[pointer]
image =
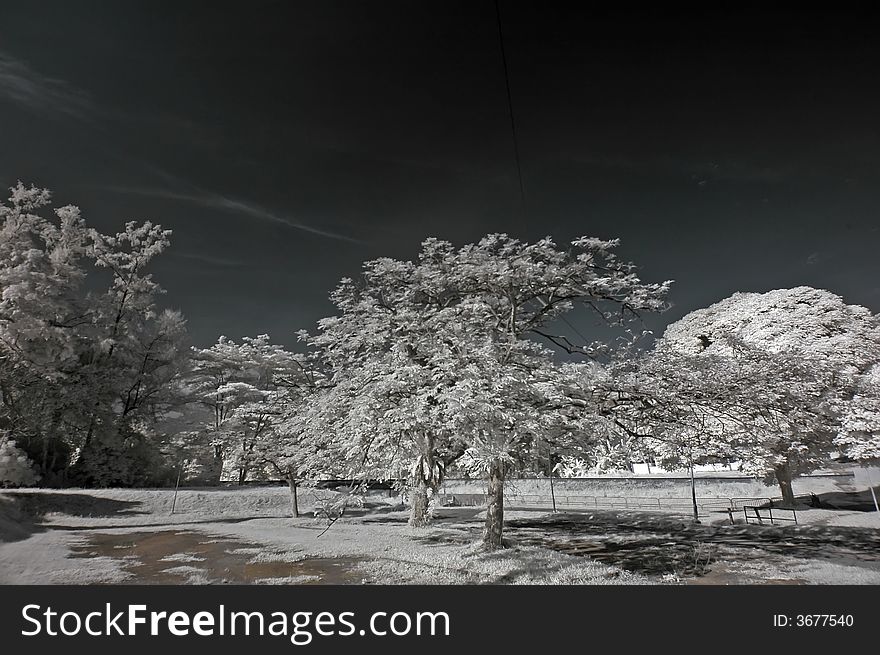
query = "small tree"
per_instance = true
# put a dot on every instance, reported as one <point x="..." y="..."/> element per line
<point x="244" y="385"/>
<point x="293" y="446"/>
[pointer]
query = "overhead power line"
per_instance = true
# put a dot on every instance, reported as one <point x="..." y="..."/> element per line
<point x="522" y="191"/>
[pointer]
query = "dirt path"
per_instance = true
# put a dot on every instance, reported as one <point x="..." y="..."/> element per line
<point x="190" y="557"/>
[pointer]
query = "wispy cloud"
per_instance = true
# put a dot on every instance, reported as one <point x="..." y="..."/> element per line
<point x="28" y="88"/>
<point x="212" y="200"/>
<point x="34" y="91"/>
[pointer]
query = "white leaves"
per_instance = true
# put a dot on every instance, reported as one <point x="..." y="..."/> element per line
<point x="810" y="322"/>
<point x="28" y="199"/>
<point x="81" y="362"/>
<point x="260" y="396"/>
<point x="859" y="432"/>
<point x="441" y="346"/>
<point x="764" y="378"/>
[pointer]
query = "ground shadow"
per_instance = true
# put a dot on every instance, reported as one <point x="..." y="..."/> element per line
<point x="22" y="514"/>
<point x="658" y="545"/>
<point x="853" y="501"/>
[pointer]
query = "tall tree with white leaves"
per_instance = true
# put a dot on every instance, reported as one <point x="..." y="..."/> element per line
<point x="135" y="357"/>
<point x="43" y="263"/>
<point x="806" y="350"/>
<point x="83" y="371"/>
<point x="467" y="320"/>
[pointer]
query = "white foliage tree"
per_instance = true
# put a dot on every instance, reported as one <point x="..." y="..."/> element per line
<point x="133" y="360"/>
<point x="42" y="267"/>
<point x="82" y="370"/>
<point x="858" y="436"/>
<point x="799" y="354"/>
<point x="250" y="388"/>
<point x="458" y="326"/>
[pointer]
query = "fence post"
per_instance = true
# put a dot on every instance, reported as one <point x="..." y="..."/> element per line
<point x="176" y="487"/>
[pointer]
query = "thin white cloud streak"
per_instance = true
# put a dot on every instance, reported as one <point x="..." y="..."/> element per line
<point x="212" y="200"/>
<point x="32" y="90"/>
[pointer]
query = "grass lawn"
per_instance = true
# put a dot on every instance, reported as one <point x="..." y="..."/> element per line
<point x="247" y="536"/>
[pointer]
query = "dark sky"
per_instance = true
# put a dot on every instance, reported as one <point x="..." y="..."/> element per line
<point x="287" y="142"/>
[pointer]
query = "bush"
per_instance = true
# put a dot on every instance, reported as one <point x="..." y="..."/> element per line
<point x="16" y="469"/>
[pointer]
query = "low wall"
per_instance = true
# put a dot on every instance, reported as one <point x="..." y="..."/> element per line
<point x="719" y="486"/>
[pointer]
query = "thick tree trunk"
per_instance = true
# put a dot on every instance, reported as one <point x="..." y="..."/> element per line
<point x="783" y="477"/>
<point x="493" y="530"/>
<point x="423" y="482"/>
<point x="215" y="474"/>
<point x="294" y="502"/>
<point x="418" y="517"/>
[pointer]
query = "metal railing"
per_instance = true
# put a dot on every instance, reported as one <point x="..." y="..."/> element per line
<point x="768" y="515"/>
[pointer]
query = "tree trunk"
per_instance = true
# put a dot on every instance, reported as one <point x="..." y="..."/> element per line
<point x="423" y="481"/>
<point x="694" y="493"/>
<point x="88" y="440"/>
<point x="54" y="460"/>
<point x="294" y="503"/>
<point x="783" y="477"/>
<point x="418" y="517"/>
<point x="215" y="474"/>
<point x="495" y="510"/>
<point x="44" y="462"/>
